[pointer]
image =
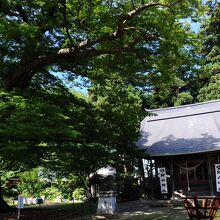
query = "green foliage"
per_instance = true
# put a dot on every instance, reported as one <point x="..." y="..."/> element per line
<point x="119" y="53"/>
<point x="119" y="107"/>
<point x="51" y="193"/>
<point x="79" y="193"/>
<point x="54" y="125"/>
<point x="64" y="183"/>
<point x="30" y="184"/>
<point x="151" y="44"/>
<point x="211" y="91"/>
<point x="173" y="93"/>
<point x="119" y="113"/>
<point x="44" y="124"/>
<point x="9" y="182"/>
<point x="183" y="98"/>
<point x="211" y="71"/>
<point x="67" y="186"/>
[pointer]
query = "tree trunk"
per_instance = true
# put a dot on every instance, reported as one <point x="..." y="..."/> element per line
<point x="4" y="207"/>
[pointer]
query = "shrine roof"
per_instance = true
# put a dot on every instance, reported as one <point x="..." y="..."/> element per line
<point x="181" y="130"/>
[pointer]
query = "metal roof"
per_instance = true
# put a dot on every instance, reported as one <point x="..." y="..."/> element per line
<point x="181" y="130"/>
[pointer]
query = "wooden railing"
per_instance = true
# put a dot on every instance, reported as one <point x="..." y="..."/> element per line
<point x="201" y="207"/>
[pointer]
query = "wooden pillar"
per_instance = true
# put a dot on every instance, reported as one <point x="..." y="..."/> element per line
<point x="172" y="177"/>
<point x="210" y="176"/>
<point x="156" y="169"/>
<point x="142" y="178"/>
<point x="152" y="179"/>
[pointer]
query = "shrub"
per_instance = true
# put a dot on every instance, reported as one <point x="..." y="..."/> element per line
<point x="79" y="193"/>
<point x="51" y="193"/>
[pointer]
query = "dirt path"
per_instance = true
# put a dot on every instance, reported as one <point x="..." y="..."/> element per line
<point x="136" y="210"/>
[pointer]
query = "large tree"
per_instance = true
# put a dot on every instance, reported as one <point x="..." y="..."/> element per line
<point x="143" y="43"/>
<point x="48" y="125"/>
<point x="145" y="38"/>
<point x="119" y="110"/>
<point x="210" y="78"/>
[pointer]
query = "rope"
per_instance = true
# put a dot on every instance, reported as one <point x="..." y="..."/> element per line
<point x="190" y="168"/>
<point x="187" y="170"/>
<point x="187" y="176"/>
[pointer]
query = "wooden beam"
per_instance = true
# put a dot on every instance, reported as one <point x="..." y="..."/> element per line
<point x="210" y="176"/>
<point x="172" y="177"/>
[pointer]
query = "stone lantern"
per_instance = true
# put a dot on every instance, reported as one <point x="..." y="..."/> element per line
<point x="107" y="196"/>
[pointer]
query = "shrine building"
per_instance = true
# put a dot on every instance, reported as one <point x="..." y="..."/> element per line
<point x="186" y="141"/>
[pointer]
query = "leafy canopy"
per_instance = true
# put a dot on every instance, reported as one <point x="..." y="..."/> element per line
<point x="145" y="41"/>
<point x="211" y="71"/>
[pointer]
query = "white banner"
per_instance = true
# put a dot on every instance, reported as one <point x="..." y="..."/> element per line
<point x="163" y="180"/>
<point x="217" y="175"/>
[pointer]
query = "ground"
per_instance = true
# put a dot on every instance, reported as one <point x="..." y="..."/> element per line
<point x="136" y="210"/>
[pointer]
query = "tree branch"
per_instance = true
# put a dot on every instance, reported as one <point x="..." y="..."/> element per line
<point x="82" y="51"/>
<point x="134" y="13"/>
<point x="121" y="24"/>
<point x="65" y="55"/>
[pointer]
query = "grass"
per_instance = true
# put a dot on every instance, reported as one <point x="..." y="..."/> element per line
<point x="54" y="212"/>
